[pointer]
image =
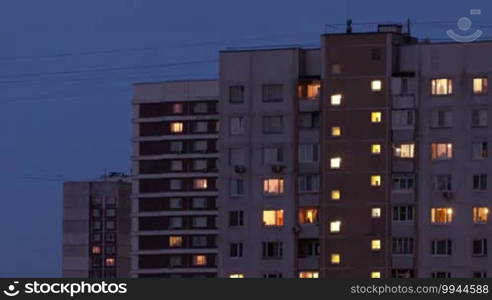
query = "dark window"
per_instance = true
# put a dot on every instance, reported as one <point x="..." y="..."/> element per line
<point x="441" y="247"/>
<point x="236" y="94"/>
<point x="480" y="247"/>
<point x="441" y="275"/>
<point x="272" y="249"/>
<point x="236" y="218"/>
<point x="479" y="274"/>
<point x="376" y="53"/>
<point x="273" y="93"/>
<point x="308" y="248"/>
<point x="480" y="182"/>
<point x="273" y="124"/>
<point x="236" y="250"/>
<point x="308" y="120"/>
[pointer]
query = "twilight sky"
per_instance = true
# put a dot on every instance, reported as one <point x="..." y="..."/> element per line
<point x="66" y="69"/>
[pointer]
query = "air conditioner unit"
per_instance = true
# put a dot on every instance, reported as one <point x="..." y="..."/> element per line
<point x="277" y="168"/>
<point x="239" y="169"/>
<point x="296" y="228"/>
<point x="447" y="194"/>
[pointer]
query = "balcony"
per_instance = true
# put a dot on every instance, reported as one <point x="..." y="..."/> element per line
<point x="309" y="93"/>
<point x="403" y="101"/>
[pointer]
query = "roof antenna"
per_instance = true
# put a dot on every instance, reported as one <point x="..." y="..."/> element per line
<point x="408" y="27"/>
<point x="349" y="25"/>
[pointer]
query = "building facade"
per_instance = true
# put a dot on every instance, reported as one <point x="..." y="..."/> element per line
<point x="366" y="158"/>
<point x="96" y="228"/>
<point x="175" y="132"/>
<point x="269" y="173"/>
<point x="452" y="94"/>
<point x="358" y="157"/>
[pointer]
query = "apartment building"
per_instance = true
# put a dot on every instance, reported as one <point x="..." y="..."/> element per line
<point x="96" y="228"/>
<point x="359" y="144"/>
<point x="405" y="157"/>
<point x="450" y="87"/>
<point x="175" y="132"/>
<point x="269" y="172"/>
<point x="366" y="158"/>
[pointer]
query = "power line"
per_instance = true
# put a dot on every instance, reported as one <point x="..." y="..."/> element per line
<point x="109" y="69"/>
<point x="142" y="49"/>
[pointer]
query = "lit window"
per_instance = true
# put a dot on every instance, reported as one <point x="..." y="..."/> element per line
<point x="177" y="108"/>
<point x="110" y="262"/>
<point x="376" y="245"/>
<point x="376" y="212"/>
<point x="335" y="259"/>
<point x="309" y="90"/>
<point x="237" y="275"/>
<point x="441" y="215"/>
<point x="376" y="117"/>
<point x="375" y="274"/>
<point x="336" y="131"/>
<point x="441" y="151"/>
<point x="273" y="217"/>
<point x="480" y="215"/>
<point x="335" y="226"/>
<point x="200" y="184"/>
<point x="480" y="85"/>
<point x="96" y="250"/>
<point x="405" y="150"/>
<point x="308" y="274"/>
<point x="442" y="86"/>
<point x="176" y="127"/>
<point x="273" y="187"/>
<point x="199" y="260"/>
<point x="376" y="148"/>
<point x="175" y="241"/>
<point x="376" y="180"/>
<point x="376" y="85"/>
<point x="335" y="163"/>
<point x="308" y="215"/>
<point x="335" y="194"/>
<point x="336" y="99"/>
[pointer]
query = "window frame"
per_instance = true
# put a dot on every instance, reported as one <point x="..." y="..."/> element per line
<point x="434" y="87"/>
<point x="484" y="86"/>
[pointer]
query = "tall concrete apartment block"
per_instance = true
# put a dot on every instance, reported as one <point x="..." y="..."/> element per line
<point x="385" y="176"/>
<point x="175" y="132"/>
<point x="405" y="157"/>
<point x="366" y="158"/>
<point x="96" y="228"/>
<point x="359" y="142"/>
<point x="269" y="182"/>
<point x="451" y="90"/>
